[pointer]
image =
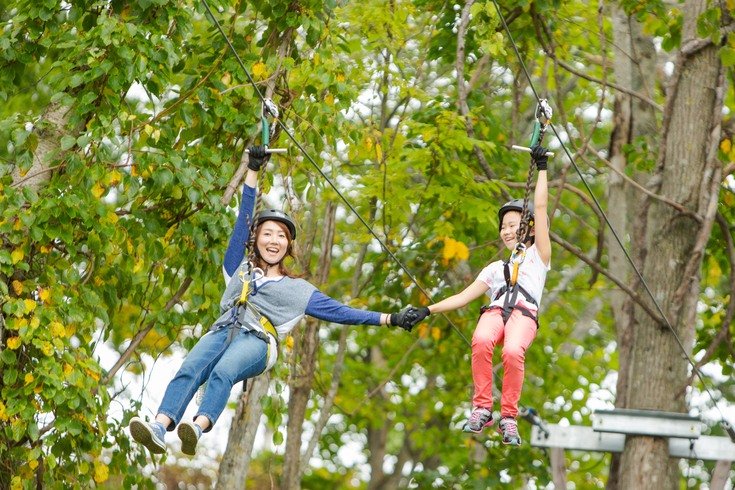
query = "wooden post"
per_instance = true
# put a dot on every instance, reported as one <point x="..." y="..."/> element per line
<point x="558" y="467"/>
<point x="720" y="475"/>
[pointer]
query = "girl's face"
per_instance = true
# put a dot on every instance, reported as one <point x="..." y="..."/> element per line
<point x="509" y="228"/>
<point x="272" y="241"/>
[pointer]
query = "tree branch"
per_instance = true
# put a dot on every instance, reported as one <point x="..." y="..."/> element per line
<point x="597" y="267"/>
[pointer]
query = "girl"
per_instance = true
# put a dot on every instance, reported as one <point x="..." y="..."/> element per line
<point x="512" y="316"/>
<point x="257" y="307"/>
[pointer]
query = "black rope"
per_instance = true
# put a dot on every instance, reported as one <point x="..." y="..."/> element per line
<point x="594" y="198"/>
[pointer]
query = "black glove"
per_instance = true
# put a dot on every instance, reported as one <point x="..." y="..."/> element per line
<point x="258" y="157"/>
<point x="419" y="316"/>
<point x="538" y="155"/>
<point x="404" y="318"/>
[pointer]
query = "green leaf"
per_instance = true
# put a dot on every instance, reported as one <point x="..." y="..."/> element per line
<point x="193" y="195"/>
<point x="30" y="194"/>
<point x="68" y="142"/>
<point x="727" y="55"/>
<point x="8" y="356"/>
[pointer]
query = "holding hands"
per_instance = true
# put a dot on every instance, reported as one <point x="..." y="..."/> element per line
<point x="409" y="317"/>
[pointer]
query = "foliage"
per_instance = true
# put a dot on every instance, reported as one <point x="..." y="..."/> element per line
<point x="133" y="210"/>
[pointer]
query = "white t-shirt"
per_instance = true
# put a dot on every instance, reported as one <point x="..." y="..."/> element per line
<point x="531" y="277"/>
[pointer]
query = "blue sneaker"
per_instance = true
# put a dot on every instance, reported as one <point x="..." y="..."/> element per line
<point x="189" y="433"/>
<point x="480" y="418"/>
<point x="149" y="435"/>
<point x="508" y="428"/>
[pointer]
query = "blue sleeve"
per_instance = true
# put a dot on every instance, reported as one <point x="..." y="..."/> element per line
<point x="328" y="309"/>
<point x="236" y="248"/>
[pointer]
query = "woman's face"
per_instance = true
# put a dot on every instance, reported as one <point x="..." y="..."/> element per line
<point x="509" y="229"/>
<point x="272" y="241"/>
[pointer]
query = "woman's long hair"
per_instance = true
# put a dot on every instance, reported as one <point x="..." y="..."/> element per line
<point x="282" y="269"/>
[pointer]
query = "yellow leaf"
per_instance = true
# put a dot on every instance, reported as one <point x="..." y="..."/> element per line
<point x="226" y="79"/>
<point x="13" y="342"/>
<point x="501" y="137"/>
<point x="43" y="294"/>
<point x="37" y="389"/>
<point x="97" y="190"/>
<point x="112" y="218"/>
<point x="17" y="287"/>
<point x="731" y="4"/>
<point x="340" y="78"/>
<point x="97" y="281"/>
<point x="113" y="178"/>
<point x="368" y="143"/>
<point x="30" y="304"/>
<point x="259" y="69"/>
<point x="329" y="99"/>
<point x="463" y="253"/>
<point x="29" y="378"/>
<point x="68" y="369"/>
<point x="289" y="342"/>
<point x="17" y="225"/>
<point x="71" y="329"/>
<point x="148" y="129"/>
<point x="101" y="473"/>
<point x="35" y="322"/>
<point x="316" y="59"/>
<point x="450" y="248"/>
<point x="729" y="199"/>
<point x="378" y="151"/>
<point x="169" y="233"/>
<point x="436" y="333"/>
<point x="134" y="170"/>
<point x="725" y="145"/>
<point x="45" y="249"/>
<point x="93" y="374"/>
<point x="16" y="484"/>
<point x="57" y="329"/>
<point x="157" y="134"/>
<point x="17" y="255"/>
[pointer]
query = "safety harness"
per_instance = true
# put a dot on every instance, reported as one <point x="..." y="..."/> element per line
<point x="512" y="288"/>
<point x="236" y="321"/>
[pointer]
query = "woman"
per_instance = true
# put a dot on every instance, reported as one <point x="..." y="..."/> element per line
<point x="513" y="312"/>
<point x="258" y="307"/>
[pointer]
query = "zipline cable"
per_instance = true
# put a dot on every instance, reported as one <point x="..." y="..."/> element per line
<point x="594" y="198"/>
<point x="306" y="154"/>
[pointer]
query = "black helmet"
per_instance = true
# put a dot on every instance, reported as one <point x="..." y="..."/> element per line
<point x="276" y="215"/>
<point x="515" y="205"/>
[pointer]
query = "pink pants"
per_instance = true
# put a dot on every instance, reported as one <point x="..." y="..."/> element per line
<point x="516" y="336"/>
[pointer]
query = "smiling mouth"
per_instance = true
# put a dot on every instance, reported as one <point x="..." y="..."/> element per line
<point x="272" y="250"/>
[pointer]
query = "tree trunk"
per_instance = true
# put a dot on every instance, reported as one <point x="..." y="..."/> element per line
<point x="233" y="469"/>
<point x="635" y="68"/>
<point x="48" y="140"/>
<point x="690" y="175"/>
<point x="300" y="388"/>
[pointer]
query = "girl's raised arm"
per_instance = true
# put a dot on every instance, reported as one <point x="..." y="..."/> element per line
<point x="540" y="204"/>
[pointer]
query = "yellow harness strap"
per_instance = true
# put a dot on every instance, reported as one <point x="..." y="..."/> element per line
<point x="264" y="322"/>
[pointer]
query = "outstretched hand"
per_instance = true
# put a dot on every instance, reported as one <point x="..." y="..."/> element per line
<point x="257" y="158"/>
<point x="538" y="154"/>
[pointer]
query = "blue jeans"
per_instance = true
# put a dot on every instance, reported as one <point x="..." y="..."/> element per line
<point x="222" y="366"/>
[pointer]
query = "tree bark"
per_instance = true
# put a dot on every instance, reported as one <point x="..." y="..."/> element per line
<point x="558" y="467"/>
<point x="635" y="68"/>
<point x="720" y="475"/>
<point x="233" y="470"/>
<point x="300" y="388"/>
<point x="48" y="140"/>
<point x="689" y="174"/>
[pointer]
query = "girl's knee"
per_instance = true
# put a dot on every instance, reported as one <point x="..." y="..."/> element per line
<point x="483" y="342"/>
<point x="514" y="355"/>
